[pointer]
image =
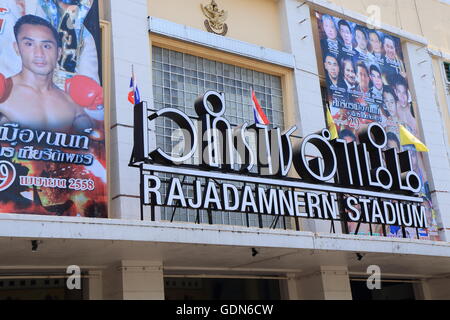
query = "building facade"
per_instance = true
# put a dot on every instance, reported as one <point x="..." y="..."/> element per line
<point x="178" y="51"/>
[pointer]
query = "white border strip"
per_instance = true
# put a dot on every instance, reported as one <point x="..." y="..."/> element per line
<point x="275" y="182"/>
<point x="49" y="227"/>
<point x="241" y="48"/>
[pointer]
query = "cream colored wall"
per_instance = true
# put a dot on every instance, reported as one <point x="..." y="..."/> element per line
<point x="428" y="18"/>
<point x="254" y="21"/>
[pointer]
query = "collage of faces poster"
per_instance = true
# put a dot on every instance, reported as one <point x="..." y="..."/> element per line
<point x="52" y="135"/>
<point x="367" y="82"/>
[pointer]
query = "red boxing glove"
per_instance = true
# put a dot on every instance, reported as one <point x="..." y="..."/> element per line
<point x="5" y="88"/>
<point x="85" y="91"/>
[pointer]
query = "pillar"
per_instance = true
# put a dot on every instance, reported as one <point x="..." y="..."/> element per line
<point x="328" y="283"/>
<point x="130" y="47"/>
<point x="298" y="28"/>
<point x="432" y="129"/>
<point x="134" y="280"/>
<point x="94" y="286"/>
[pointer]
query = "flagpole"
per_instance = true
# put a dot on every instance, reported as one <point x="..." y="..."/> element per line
<point x="134" y="79"/>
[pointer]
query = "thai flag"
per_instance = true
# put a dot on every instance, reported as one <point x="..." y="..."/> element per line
<point x="133" y="96"/>
<point x="260" y="116"/>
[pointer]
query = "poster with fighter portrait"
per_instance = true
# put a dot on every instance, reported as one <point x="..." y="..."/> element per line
<point x="366" y="81"/>
<point x="52" y="135"/>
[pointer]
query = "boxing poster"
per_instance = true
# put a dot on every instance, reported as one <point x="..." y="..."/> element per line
<point x="366" y="81"/>
<point x="52" y="135"/>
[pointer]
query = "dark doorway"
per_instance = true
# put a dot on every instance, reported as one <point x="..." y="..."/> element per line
<point x="397" y="290"/>
<point x="37" y="289"/>
<point x="221" y="289"/>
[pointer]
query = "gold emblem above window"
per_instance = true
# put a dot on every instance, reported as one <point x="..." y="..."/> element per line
<point x="215" y="22"/>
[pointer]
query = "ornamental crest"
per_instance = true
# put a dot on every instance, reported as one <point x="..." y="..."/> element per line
<point x="215" y="22"/>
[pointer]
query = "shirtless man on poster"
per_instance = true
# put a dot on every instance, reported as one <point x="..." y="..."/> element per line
<point x="404" y="114"/>
<point x="30" y="98"/>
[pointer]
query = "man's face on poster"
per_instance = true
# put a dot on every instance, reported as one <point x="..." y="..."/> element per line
<point x="375" y="76"/>
<point x="389" y="47"/>
<point x="363" y="79"/>
<point x="38" y="49"/>
<point x="330" y="29"/>
<point x="375" y="43"/>
<point x="361" y="39"/>
<point x="402" y="94"/>
<point x="346" y="35"/>
<point x="389" y="102"/>
<point x="349" y="73"/>
<point x="332" y="67"/>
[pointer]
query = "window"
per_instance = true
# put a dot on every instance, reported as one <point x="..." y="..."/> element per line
<point x="447" y="71"/>
<point x="447" y="76"/>
<point x="178" y="79"/>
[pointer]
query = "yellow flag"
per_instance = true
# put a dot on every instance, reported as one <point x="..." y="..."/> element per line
<point x="331" y="126"/>
<point x="407" y="137"/>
